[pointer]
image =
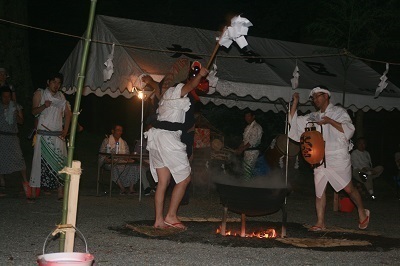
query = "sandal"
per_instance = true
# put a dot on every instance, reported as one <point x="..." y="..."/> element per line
<point x="316" y="228"/>
<point x="30" y="200"/>
<point x="364" y="224"/>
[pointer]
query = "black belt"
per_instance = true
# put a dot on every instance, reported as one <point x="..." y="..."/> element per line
<point x="252" y="149"/>
<point x="170" y="126"/>
<point x="49" y="133"/>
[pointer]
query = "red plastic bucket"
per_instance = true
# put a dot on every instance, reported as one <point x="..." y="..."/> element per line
<point x="66" y="258"/>
<point x="346" y="205"/>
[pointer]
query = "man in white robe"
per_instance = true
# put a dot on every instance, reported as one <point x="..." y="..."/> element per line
<point x="53" y="113"/>
<point x="250" y="145"/>
<point x="167" y="153"/>
<point x="337" y="132"/>
<point x="362" y="166"/>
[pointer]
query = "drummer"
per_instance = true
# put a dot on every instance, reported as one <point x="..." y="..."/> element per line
<point x="250" y="145"/>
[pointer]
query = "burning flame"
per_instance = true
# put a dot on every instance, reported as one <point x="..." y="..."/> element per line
<point x="269" y="233"/>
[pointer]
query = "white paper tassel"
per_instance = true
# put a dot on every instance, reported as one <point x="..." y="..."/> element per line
<point x="272" y="145"/>
<point x="212" y="76"/>
<point x="235" y="32"/>
<point x="107" y="73"/>
<point x="281" y="161"/>
<point x="296" y="164"/>
<point x="383" y="84"/>
<point x="295" y="79"/>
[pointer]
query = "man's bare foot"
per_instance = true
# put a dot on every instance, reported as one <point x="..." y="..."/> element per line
<point x="160" y="225"/>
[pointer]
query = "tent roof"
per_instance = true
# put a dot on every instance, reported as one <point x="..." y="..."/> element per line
<point x="257" y="77"/>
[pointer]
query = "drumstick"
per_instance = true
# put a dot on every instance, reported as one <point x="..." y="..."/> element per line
<point x="52" y="131"/>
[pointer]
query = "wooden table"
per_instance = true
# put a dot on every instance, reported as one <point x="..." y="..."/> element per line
<point x="121" y="159"/>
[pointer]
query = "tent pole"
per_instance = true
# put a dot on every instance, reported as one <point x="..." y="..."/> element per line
<point x="141" y="151"/>
<point x="81" y="79"/>
<point x="287" y="145"/>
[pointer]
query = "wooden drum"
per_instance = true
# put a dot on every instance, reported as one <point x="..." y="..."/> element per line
<point x="277" y="150"/>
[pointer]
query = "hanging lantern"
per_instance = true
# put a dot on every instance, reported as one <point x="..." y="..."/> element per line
<point x="312" y="146"/>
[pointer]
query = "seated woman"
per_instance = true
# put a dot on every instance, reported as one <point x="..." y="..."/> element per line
<point x="125" y="175"/>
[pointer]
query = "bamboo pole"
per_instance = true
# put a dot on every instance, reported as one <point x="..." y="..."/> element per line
<point x="215" y="50"/>
<point x="81" y="79"/>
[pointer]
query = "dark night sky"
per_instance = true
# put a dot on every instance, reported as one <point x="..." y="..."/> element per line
<point x="284" y="20"/>
<point x="72" y="16"/>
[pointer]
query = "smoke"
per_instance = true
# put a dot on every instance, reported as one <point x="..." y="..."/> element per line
<point x="274" y="179"/>
<point x="230" y="172"/>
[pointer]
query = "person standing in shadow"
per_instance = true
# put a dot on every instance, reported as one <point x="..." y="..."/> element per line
<point x="363" y="171"/>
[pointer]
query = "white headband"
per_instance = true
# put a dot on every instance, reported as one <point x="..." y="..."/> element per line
<point x="319" y="89"/>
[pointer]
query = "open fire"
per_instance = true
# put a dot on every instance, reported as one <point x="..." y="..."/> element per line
<point x="269" y="233"/>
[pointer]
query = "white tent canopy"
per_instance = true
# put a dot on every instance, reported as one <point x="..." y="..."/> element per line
<point x="257" y="77"/>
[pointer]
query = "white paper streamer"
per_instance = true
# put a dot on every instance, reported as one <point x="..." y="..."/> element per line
<point x="296" y="164"/>
<point x="235" y="32"/>
<point x="383" y="84"/>
<point x="109" y="71"/>
<point x="295" y="79"/>
<point x="212" y="77"/>
<point x="281" y="161"/>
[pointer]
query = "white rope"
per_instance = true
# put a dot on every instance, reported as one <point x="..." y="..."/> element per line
<point x="70" y="171"/>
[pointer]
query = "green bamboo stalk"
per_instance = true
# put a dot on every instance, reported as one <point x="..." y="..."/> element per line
<point x="78" y="95"/>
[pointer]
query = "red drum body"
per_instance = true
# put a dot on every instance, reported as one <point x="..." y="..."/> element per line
<point x="203" y="87"/>
<point x="277" y="151"/>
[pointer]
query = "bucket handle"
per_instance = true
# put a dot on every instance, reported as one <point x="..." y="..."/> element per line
<point x="76" y="229"/>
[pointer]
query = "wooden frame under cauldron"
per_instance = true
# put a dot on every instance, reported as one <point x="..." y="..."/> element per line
<point x="250" y="201"/>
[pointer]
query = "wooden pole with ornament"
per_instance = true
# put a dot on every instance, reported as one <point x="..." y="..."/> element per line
<point x="214" y="53"/>
<point x="235" y="32"/>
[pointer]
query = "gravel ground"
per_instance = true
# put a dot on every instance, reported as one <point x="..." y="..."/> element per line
<point x="24" y="227"/>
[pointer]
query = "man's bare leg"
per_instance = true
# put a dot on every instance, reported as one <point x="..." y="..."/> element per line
<point x="60" y="192"/>
<point x="356" y="198"/>
<point x="320" y="205"/>
<point x="176" y="197"/>
<point x="121" y="187"/>
<point x="23" y="173"/>
<point x="164" y="176"/>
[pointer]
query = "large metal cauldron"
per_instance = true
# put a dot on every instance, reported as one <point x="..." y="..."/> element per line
<point x="250" y="201"/>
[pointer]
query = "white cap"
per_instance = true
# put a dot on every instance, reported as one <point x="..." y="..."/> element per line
<point x="319" y="89"/>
